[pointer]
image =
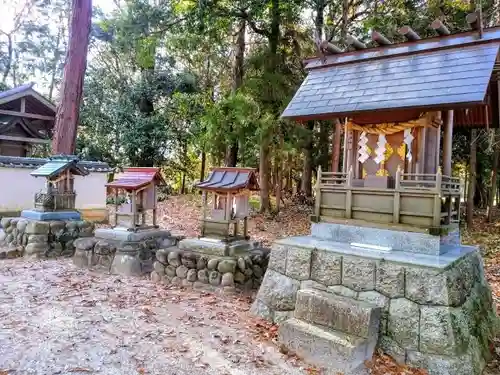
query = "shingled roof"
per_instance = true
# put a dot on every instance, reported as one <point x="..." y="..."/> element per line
<point x="230" y="179"/>
<point x="450" y="71"/>
<point x="136" y="178"/>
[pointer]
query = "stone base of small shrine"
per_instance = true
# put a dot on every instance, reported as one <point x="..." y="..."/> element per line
<point x="51" y="215"/>
<point x="436" y="312"/>
<point x="122" y="252"/>
<point x="41" y="239"/>
<point x="214" y="246"/>
<point x="210" y="271"/>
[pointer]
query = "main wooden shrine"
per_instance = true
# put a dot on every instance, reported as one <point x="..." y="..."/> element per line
<point x="399" y="104"/>
<point x="384" y="265"/>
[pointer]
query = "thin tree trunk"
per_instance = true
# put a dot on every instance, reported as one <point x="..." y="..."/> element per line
<point x="66" y="122"/>
<point x="279" y="164"/>
<point x="265" y="202"/>
<point x="238" y="73"/>
<point x="8" y="64"/>
<point x="494" y="171"/>
<point x="336" y="146"/>
<point x="203" y="165"/>
<point x="472" y="178"/>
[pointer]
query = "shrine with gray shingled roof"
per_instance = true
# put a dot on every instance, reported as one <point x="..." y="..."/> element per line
<point x="384" y="265"/>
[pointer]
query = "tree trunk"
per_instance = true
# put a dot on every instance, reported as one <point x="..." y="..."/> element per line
<point x="238" y="74"/>
<point x="203" y="165"/>
<point x="472" y="177"/>
<point x="336" y="145"/>
<point x="307" y="166"/>
<point x="279" y="174"/>
<point x="494" y="171"/>
<point x="8" y="64"/>
<point x="265" y="202"/>
<point x="66" y="122"/>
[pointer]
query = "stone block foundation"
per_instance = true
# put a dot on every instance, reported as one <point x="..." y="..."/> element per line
<point x="208" y="271"/>
<point x="437" y="312"/>
<point x="41" y="239"/>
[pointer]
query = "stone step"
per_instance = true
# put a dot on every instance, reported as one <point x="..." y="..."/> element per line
<point x="340" y="313"/>
<point x="335" y="351"/>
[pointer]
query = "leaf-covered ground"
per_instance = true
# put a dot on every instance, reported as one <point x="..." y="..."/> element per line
<point x="56" y="319"/>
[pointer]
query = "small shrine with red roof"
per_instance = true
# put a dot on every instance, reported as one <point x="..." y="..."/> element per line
<point x="139" y="186"/>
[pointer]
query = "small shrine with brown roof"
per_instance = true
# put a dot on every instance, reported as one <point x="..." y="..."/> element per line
<point x="230" y="190"/>
<point x="384" y="265"/>
<point x="138" y="186"/>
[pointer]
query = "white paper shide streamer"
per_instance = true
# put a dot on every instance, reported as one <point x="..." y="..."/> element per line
<point x="380" y="150"/>
<point x="363" y="150"/>
<point x="408" y="139"/>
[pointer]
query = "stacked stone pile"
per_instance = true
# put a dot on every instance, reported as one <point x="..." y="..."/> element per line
<point x="203" y="271"/>
<point x="30" y="238"/>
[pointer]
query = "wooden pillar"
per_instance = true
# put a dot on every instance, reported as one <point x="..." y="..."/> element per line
<point x="447" y="142"/>
<point x="421" y="150"/>
<point x="227" y="214"/>
<point x="344" y="159"/>
<point x="116" y="207"/>
<point x="349" y="154"/>
<point x="134" y="209"/>
<point x="155" y="203"/>
<point x="336" y="146"/>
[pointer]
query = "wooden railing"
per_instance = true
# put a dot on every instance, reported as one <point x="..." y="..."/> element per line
<point x="427" y="200"/>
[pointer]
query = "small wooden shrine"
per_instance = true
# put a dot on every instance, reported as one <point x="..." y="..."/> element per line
<point x="398" y="104"/>
<point x="231" y="189"/>
<point x="59" y="194"/>
<point x="138" y="186"/>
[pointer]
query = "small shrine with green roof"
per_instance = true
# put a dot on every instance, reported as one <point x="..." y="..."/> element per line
<point x="57" y="200"/>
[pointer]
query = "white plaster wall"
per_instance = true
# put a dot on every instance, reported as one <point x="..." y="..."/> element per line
<point x="18" y="187"/>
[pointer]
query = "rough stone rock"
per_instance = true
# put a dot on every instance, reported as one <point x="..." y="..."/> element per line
<point x="247" y="285"/>
<point x="81" y="258"/>
<point x="192" y="275"/>
<point x="212" y="264"/>
<point x="159" y="268"/>
<point x="156" y="277"/>
<point x="228" y="290"/>
<point x="226" y="266"/>
<point x="3" y="254"/>
<point x="21" y="225"/>
<point x="441" y="365"/>
<point x="257" y="270"/>
<point x="36" y="248"/>
<point x="201" y="263"/>
<point x="188" y="261"/>
<point x="5" y="222"/>
<point x="181" y="272"/>
<point x="403" y="324"/>
<point x="170" y="271"/>
<point x="227" y="279"/>
<point x="38" y="227"/>
<point x="358" y="273"/>
<point x="12" y="253"/>
<point x="126" y="264"/>
<point x="241" y="264"/>
<point x="2" y="235"/>
<point x="9" y="238"/>
<point x="248" y="272"/>
<point x="375" y="298"/>
<point x="161" y="256"/>
<point x="9" y="229"/>
<point x="261" y="310"/>
<point x="38" y="238"/>
<point x="298" y="263"/>
<point x="85" y="243"/>
<point x="281" y="316"/>
<point x="248" y="261"/>
<point x="460" y="280"/>
<point x="443" y="330"/>
<point x="326" y="267"/>
<point x="174" y="259"/>
<point x="203" y="276"/>
<point x="277" y="261"/>
<point x="390" y="279"/>
<point x="391" y="347"/>
<point x="25" y="239"/>
<point x="214" y="278"/>
<point x="256" y="259"/>
<point x="165" y="243"/>
<point x="57" y="227"/>
<point x="56" y="249"/>
<point x="239" y="277"/>
<point x="278" y="291"/>
<point x="311" y="284"/>
<point x="426" y="286"/>
<point x="342" y="291"/>
<point x="186" y="283"/>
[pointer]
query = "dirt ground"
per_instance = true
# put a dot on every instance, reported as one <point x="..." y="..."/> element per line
<point x="56" y="319"/>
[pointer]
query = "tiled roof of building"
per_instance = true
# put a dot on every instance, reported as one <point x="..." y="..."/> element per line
<point x="230" y="179"/>
<point x="136" y="178"/>
<point x="33" y="163"/>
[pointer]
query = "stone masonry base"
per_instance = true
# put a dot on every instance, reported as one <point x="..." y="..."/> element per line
<point x="40" y="239"/>
<point x="440" y="319"/>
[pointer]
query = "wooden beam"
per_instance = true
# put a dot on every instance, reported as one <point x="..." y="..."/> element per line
<point x="352" y="41"/>
<point x="330" y="47"/>
<point x="26" y="114"/>
<point x="409" y="34"/>
<point x="380" y="39"/>
<point x="473" y="19"/>
<point x="447" y="143"/>
<point x="440" y="28"/>
<point x="23" y="105"/>
<point x="23" y="139"/>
